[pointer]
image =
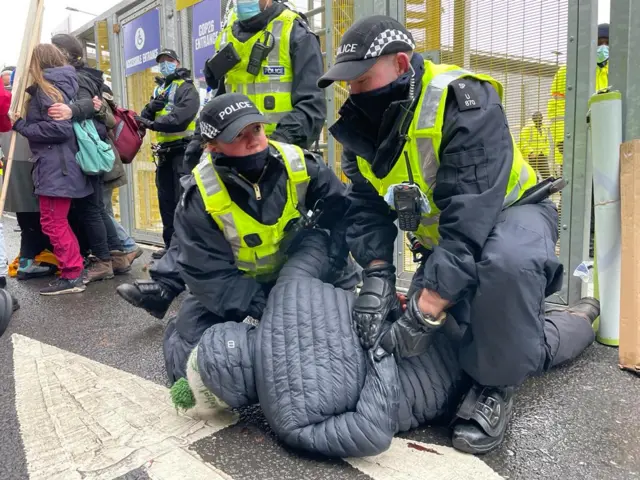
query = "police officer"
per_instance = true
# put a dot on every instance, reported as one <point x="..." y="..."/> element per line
<point x="284" y="87"/>
<point x="171" y="114"/>
<point x="239" y="205"/>
<point x="429" y="146"/>
<point x="276" y="61"/>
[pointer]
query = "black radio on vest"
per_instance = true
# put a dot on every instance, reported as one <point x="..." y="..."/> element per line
<point x="259" y="53"/>
<point x="407" y="198"/>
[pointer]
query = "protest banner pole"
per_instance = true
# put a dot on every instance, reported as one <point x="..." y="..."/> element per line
<point x="31" y="37"/>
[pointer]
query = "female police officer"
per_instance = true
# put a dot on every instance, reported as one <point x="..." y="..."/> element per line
<point x="237" y="209"/>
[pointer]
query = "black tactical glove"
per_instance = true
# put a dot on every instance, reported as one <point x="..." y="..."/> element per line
<point x="257" y="305"/>
<point x="376" y="301"/>
<point x="157" y="104"/>
<point x="148" y="124"/>
<point x="410" y="335"/>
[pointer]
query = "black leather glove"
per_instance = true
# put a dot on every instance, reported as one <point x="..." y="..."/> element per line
<point x="148" y="124"/>
<point x="376" y="301"/>
<point x="409" y="336"/>
<point x="258" y="304"/>
<point x="157" y="104"/>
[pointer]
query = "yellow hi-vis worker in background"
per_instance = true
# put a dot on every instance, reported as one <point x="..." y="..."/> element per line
<point x="536" y="146"/>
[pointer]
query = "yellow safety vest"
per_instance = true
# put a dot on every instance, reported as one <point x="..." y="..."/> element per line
<point x="423" y="149"/>
<point x="602" y="77"/>
<point x="265" y="260"/>
<point x="270" y="90"/>
<point x="532" y="140"/>
<point x="163" y="137"/>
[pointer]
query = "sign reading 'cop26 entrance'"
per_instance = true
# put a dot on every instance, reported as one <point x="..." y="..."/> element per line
<point x="206" y="25"/>
<point x="141" y="42"/>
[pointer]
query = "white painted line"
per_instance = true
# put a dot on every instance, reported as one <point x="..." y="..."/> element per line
<point x="412" y="460"/>
<point x="184" y="465"/>
<point x="81" y="419"/>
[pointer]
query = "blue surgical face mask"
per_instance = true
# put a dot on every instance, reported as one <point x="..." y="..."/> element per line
<point x="602" y="53"/>
<point x="247" y="9"/>
<point x="168" y="68"/>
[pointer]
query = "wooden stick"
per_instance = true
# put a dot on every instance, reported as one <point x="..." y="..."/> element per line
<point x="21" y="79"/>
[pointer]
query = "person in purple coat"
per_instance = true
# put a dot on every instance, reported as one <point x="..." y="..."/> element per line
<point x="57" y="177"/>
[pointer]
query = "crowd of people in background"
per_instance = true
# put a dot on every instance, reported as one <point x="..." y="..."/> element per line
<point x="65" y="215"/>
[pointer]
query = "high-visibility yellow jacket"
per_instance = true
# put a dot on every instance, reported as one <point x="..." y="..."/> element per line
<point x="261" y="260"/>
<point x="423" y="149"/>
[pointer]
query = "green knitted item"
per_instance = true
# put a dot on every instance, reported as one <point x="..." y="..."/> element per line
<point x="182" y="396"/>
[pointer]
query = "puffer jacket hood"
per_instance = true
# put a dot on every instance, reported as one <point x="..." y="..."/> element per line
<point x="64" y="79"/>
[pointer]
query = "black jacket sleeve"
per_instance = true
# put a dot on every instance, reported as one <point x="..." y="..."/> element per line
<point x="187" y="104"/>
<point x="476" y="156"/>
<point x="207" y="264"/>
<point x="371" y="232"/>
<point x="194" y="149"/>
<point x="82" y="108"/>
<point x="303" y="125"/>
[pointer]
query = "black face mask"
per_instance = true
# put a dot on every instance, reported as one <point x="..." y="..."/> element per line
<point x="375" y="102"/>
<point x="250" y="167"/>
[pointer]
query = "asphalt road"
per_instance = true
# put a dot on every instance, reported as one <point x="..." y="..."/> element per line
<point x="580" y="421"/>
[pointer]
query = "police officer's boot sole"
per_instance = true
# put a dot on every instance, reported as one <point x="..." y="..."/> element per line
<point x="136" y="298"/>
<point x="482" y="420"/>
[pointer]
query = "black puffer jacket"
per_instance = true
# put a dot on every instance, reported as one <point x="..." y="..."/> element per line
<point x="318" y="389"/>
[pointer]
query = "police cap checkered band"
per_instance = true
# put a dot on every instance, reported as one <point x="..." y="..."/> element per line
<point x="363" y="43"/>
<point x="224" y="117"/>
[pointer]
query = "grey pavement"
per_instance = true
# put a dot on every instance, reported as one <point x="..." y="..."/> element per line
<point x="581" y="421"/>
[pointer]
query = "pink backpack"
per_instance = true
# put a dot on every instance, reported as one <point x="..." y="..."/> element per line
<point x="127" y="135"/>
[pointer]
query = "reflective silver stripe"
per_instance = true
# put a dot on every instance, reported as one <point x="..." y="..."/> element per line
<point x="208" y="177"/>
<point x="292" y="157"/>
<point x="513" y="195"/>
<point x="428" y="221"/>
<point x="245" y="265"/>
<point x="428" y="162"/>
<point x="556" y="119"/>
<point x="259" y="88"/>
<point x="273" y="259"/>
<point x="296" y="163"/>
<point x="431" y="100"/>
<point x="274" y="54"/>
<point x="231" y="233"/>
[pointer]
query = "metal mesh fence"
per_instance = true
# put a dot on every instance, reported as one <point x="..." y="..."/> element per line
<point x="521" y="43"/>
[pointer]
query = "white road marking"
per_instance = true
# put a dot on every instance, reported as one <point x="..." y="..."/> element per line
<point x="412" y="460"/>
<point x="81" y="419"/>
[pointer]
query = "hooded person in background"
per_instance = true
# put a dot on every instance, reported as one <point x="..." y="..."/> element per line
<point x="109" y="257"/>
<point x="171" y="113"/>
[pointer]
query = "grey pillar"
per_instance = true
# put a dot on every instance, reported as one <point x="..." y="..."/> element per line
<point x="576" y="201"/>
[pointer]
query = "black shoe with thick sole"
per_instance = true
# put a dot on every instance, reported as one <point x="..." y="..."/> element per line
<point x="159" y="254"/>
<point x="6" y="310"/>
<point x="482" y="419"/>
<point x="148" y="295"/>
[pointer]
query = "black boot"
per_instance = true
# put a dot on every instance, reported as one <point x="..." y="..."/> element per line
<point x="587" y="308"/>
<point x="157" y="255"/>
<point x="148" y="295"/>
<point x="482" y="419"/>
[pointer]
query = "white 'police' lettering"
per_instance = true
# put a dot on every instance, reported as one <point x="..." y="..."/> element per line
<point x="273" y="70"/>
<point x="347" y="48"/>
<point x="234" y="108"/>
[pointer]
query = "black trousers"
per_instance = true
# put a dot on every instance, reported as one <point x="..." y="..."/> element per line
<point x="100" y="232"/>
<point x="170" y="169"/>
<point x="508" y="335"/>
<point x="32" y="239"/>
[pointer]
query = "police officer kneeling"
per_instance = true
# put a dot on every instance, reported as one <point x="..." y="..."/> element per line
<point x="269" y="53"/>
<point x="429" y="145"/>
<point x="238" y="207"/>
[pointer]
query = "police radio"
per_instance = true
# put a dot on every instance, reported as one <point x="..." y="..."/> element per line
<point x="259" y="53"/>
<point x="407" y="199"/>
